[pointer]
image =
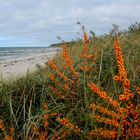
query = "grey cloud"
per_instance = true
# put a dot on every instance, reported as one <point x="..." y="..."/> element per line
<point x="41" y="21"/>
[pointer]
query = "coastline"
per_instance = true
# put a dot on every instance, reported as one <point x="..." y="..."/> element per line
<point x="18" y="67"/>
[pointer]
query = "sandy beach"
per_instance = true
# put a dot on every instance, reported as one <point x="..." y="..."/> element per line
<point x="19" y="67"/>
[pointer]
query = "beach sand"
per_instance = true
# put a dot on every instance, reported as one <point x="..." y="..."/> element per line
<point x="19" y="67"/>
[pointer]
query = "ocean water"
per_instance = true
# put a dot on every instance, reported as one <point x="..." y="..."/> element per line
<point x="19" y="52"/>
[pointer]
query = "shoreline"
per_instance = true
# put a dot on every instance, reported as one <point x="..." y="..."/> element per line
<point x="19" y="67"/>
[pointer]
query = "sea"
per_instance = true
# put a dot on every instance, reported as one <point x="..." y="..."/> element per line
<point x="9" y="53"/>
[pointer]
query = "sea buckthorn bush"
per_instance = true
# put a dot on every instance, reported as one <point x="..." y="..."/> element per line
<point x="85" y="92"/>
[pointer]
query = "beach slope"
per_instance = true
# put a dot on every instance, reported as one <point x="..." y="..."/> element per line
<point x="18" y="67"/>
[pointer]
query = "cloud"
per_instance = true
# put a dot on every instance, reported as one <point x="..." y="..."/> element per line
<point x="39" y="22"/>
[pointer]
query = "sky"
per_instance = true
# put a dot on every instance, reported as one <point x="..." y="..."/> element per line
<point x="39" y="22"/>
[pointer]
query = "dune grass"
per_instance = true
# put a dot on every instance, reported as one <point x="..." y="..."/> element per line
<point x="75" y="96"/>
